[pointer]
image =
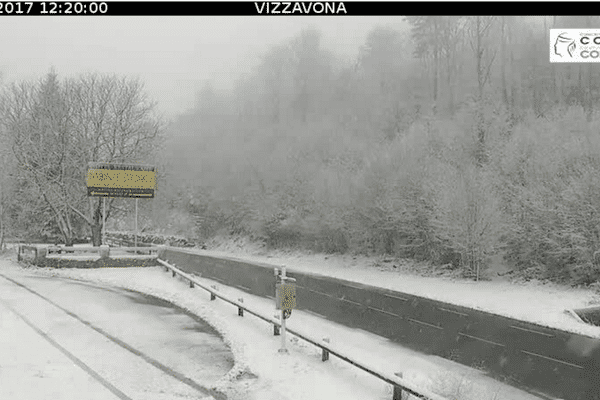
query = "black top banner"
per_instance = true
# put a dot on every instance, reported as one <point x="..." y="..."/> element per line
<point x="275" y="8"/>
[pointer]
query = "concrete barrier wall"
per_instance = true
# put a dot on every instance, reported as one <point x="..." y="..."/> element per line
<point x="27" y="252"/>
<point x="527" y="355"/>
<point x="89" y="257"/>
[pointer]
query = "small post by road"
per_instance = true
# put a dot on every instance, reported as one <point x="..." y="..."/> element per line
<point x="285" y="300"/>
<point x="136" y="225"/>
<point x="325" y="353"/>
<point x="240" y="309"/>
<point x="104" y="220"/>
<point x="283" y="350"/>
<point x="397" y="394"/>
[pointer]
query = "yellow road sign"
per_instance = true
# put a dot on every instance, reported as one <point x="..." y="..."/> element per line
<point x="120" y="180"/>
<point x="285" y="296"/>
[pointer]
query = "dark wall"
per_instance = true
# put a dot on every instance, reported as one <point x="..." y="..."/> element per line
<point x="101" y="263"/>
<point x="527" y="355"/>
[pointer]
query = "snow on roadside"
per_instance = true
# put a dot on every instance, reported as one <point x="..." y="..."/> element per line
<point x="544" y="304"/>
<point x="260" y="373"/>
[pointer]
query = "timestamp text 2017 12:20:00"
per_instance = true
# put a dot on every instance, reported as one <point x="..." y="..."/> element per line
<point x="44" y="8"/>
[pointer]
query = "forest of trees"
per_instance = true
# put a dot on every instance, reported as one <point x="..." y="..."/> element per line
<point x="447" y="139"/>
<point x="50" y="131"/>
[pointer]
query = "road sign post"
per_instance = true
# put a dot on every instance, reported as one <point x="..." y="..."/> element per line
<point x="104" y="220"/>
<point x="282" y="349"/>
<point x="136" y="219"/>
<point x="285" y="300"/>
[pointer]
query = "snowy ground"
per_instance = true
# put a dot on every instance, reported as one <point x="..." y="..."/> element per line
<point x="28" y="364"/>
<point x="261" y="373"/>
<point x="544" y="304"/>
<point x="62" y="339"/>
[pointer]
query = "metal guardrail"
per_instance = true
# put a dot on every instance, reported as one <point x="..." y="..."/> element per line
<point x="398" y="383"/>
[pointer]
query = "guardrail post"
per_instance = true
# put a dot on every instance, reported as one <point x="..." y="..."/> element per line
<point x="191" y="284"/>
<point x="240" y="309"/>
<point x="400" y="388"/>
<point x="174" y="274"/>
<point x="397" y="395"/>
<point x="325" y="355"/>
<point x="19" y="253"/>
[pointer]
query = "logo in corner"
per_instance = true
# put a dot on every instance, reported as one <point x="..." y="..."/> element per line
<point x="574" y="45"/>
<point x="564" y="45"/>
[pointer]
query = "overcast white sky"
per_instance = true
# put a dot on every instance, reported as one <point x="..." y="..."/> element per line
<point x="172" y="55"/>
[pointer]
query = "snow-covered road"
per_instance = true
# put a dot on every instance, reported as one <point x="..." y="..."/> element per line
<point x="261" y="373"/>
<point x="63" y="339"/>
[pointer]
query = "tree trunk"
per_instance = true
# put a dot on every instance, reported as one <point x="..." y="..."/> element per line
<point x="1" y="229"/>
<point x="67" y="236"/>
<point x="96" y="234"/>
<point x="511" y="69"/>
<point x="96" y="224"/>
<point x="68" y="241"/>
<point x="449" y="83"/>
<point x="589" y="95"/>
<point x="502" y="63"/>
<point x="478" y="57"/>
<point x="70" y="229"/>
<point x="436" y="58"/>
<point x="65" y="230"/>
<point x="537" y="107"/>
<point x="480" y="84"/>
<point x="580" y="91"/>
<point x="589" y="102"/>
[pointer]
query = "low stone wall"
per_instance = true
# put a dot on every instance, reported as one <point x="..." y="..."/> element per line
<point x="91" y="258"/>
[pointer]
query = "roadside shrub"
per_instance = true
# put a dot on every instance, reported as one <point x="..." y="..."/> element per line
<point x="585" y="274"/>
